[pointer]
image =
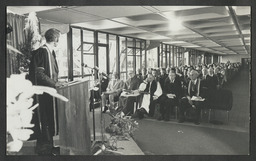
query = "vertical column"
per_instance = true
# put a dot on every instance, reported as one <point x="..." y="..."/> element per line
<point x="166" y="60"/>
<point x="140" y="54"/>
<point x="158" y="56"/>
<point x="96" y="51"/>
<point x="212" y="58"/>
<point x="134" y="54"/>
<point x="82" y="52"/>
<point x="172" y="56"/>
<point x="70" y="55"/>
<point x="145" y="47"/>
<point x="118" y="56"/>
<point x="108" y="61"/>
<point x="126" y="53"/>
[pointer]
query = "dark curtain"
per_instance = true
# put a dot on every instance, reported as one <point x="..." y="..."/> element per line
<point x="16" y="39"/>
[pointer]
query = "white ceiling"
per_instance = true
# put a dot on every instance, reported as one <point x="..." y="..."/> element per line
<point x="216" y="29"/>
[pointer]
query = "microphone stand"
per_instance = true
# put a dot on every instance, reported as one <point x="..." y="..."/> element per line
<point x="93" y="111"/>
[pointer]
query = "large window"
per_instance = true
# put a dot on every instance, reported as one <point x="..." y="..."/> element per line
<point x="62" y="57"/>
<point x="76" y="44"/>
<point x="112" y="53"/>
<point x="152" y="58"/>
<point x="123" y="57"/>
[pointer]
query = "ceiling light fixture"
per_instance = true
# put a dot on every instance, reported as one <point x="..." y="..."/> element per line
<point x="175" y="23"/>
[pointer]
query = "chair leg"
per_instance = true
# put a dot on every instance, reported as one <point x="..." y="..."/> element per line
<point x="209" y="117"/>
<point x="227" y="116"/>
<point x="201" y="114"/>
<point x="176" y="108"/>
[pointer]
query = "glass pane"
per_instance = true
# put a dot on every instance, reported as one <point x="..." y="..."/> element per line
<point x="61" y="56"/>
<point x="103" y="58"/>
<point x="138" y="58"/>
<point x="164" y="60"/>
<point x="89" y="61"/>
<point x="123" y="59"/>
<point x="87" y="48"/>
<point x="112" y="53"/>
<point x="130" y="63"/>
<point x="137" y="43"/>
<point x="123" y="76"/>
<point x="143" y="65"/>
<point x="152" y="58"/>
<point x="76" y="43"/>
<point x="88" y="36"/>
<point x="168" y="59"/>
<point x="102" y="38"/>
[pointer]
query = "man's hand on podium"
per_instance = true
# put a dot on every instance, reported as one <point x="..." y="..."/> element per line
<point x="60" y="84"/>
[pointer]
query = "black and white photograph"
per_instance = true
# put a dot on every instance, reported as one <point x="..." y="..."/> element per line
<point x="128" y="80"/>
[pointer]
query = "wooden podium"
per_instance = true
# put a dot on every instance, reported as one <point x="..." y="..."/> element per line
<point x="74" y="129"/>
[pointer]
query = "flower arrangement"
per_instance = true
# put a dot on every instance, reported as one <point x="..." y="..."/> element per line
<point x="32" y="41"/>
<point x="120" y="128"/>
<point x="20" y="109"/>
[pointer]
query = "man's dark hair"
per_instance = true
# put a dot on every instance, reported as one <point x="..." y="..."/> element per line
<point x="52" y="35"/>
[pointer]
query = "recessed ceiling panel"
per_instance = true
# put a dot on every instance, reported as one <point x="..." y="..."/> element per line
<point x="176" y="8"/>
<point x="242" y="10"/>
<point x="67" y="16"/>
<point x="113" y="11"/>
<point x="27" y="9"/>
<point x="100" y="25"/>
<point x="148" y="19"/>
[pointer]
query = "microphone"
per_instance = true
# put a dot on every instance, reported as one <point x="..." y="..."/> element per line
<point x="86" y="66"/>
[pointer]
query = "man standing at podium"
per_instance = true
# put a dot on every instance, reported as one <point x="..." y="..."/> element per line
<point x="43" y="71"/>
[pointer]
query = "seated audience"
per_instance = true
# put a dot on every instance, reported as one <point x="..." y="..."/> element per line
<point x="155" y="75"/>
<point x="212" y="80"/>
<point x="139" y="73"/>
<point x="95" y="92"/>
<point x="152" y="90"/>
<point x="126" y="103"/>
<point x="113" y="92"/>
<point x="143" y="74"/>
<point x="187" y="104"/>
<point x="162" y="77"/>
<point x="172" y="92"/>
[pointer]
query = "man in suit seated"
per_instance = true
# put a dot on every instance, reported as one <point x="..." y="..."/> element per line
<point x="152" y="90"/>
<point x="95" y="92"/>
<point x="189" y="104"/>
<point x="162" y="77"/>
<point x="126" y="104"/>
<point x="172" y="92"/>
<point x="113" y="92"/>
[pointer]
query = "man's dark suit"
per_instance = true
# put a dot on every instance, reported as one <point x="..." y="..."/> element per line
<point x="167" y="104"/>
<point x="194" y="89"/>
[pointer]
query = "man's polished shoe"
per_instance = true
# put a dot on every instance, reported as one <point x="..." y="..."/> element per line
<point x="55" y="151"/>
<point x="181" y="121"/>
<point x="160" y="118"/>
<point x="196" y="122"/>
<point x="105" y="109"/>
